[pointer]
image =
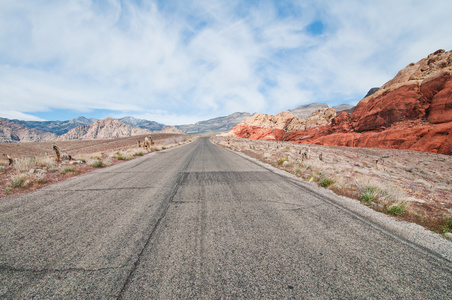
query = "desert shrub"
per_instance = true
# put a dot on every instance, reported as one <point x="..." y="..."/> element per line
<point x="326" y="182"/>
<point x="66" y="170"/>
<point x="447" y="226"/>
<point x="121" y="158"/>
<point x="25" y="164"/>
<point x="297" y="171"/>
<point x="281" y="160"/>
<point x="97" y="164"/>
<point x="138" y="154"/>
<point x="397" y="210"/>
<point x="370" y="193"/>
<point x="18" y="181"/>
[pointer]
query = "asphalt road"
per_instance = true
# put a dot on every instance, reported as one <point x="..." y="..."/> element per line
<point x="199" y="221"/>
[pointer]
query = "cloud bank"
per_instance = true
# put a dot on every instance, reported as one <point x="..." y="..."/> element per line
<point x="177" y="62"/>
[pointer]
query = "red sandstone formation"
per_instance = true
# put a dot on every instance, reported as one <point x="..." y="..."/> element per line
<point x="413" y="111"/>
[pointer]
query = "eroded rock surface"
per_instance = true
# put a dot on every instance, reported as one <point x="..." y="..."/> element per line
<point x="413" y="111"/>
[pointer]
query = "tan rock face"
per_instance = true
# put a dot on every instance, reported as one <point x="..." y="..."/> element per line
<point x="413" y="111"/>
<point x="277" y="127"/>
<point x="321" y="117"/>
<point x="103" y="129"/>
<point x="11" y="132"/>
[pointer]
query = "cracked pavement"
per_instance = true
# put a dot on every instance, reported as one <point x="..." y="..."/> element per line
<point x="199" y="221"/>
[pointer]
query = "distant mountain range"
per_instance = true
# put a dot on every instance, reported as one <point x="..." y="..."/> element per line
<point x="216" y="125"/>
<point x="102" y="129"/>
<point x="83" y="128"/>
<point x="56" y="127"/>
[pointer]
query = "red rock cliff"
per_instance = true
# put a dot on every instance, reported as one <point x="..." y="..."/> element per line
<point x="413" y="111"/>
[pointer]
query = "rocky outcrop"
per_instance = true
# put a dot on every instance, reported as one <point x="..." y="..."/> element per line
<point x="279" y="126"/>
<point x="11" y="132"/>
<point x="413" y="111"/>
<point x="371" y="91"/>
<point x="305" y="111"/>
<point x="102" y="129"/>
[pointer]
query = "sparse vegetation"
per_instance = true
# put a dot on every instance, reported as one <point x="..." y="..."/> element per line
<point x="97" y="164"/>
<point x="18" y="182"/>
<point x="66" y="170"/>
<point x="370" y="193"/>
<point x="31" y="171"/>
<point x="397" y="210"/>
<point x="281" y="160"/>
<point x="447" y="226"/>
<point x="326" y="182"/>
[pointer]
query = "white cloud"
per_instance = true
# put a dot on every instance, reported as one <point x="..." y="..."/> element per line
<point x="186" y="61"/>
<point x="16" y="115"/>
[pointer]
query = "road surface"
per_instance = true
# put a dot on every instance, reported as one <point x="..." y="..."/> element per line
<point x="200" y="221"/>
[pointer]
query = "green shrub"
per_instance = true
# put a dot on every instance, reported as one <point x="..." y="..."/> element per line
<point x="97" y="164"/>
<point x="326" y="182"/>
<point x="121" y="158"/>
<point x="397" y="210"/>
<point x="370" y="194"/>
<point x="297" y="171"/>
<point x="281" y="160"/>
<point x="18" y="182"/>
<point x="66" y="170"/>
<point x="447" y="227"/>
<point x="139" y="154"/>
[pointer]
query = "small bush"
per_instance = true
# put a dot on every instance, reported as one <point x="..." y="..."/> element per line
<point x="163" y="148"/>
<point x="397" y="210"/>
<point x="7" y="191"/>
<point x="326" y="182"/>
<point x="18" y="182"/>
<point x="97" y="164"/>
<point x="281" y="160"/>
<point x="447" y="226"/>
<point x="121" y="158"/>
<point x="42" y="181"/>
<point x="66" y="170"/>
<point x="370" y="194"/>
<point x="297" y="171"/>
<point x="138" y="154"/>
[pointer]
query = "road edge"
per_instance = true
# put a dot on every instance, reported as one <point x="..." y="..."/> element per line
<point x="412" y="233"/>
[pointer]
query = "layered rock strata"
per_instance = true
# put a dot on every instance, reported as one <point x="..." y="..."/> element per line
<point x="413" y="111"/>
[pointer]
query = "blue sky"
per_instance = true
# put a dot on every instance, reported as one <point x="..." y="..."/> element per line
<point x="178" y="62"/>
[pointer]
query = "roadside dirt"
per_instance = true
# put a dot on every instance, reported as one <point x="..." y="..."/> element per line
<point x="413" y="186"/>
<point x="21" y="150"/>
<point x="35" y="166"/>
